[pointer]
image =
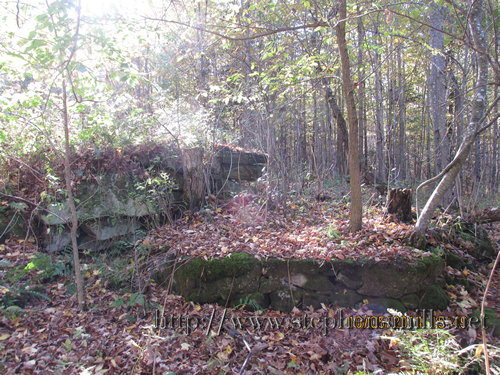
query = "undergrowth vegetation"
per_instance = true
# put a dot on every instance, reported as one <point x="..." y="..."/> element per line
<point x="23" y="284"/>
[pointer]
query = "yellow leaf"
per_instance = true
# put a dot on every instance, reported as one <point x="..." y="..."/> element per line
<point x="452" y="296"/>
<point x="5" y="336"/>
<point x="479" y="350"/>
<point x="87" y="274"/>
<point x="135" y="344"/>
<point x="222" y="356"/>
<point x="365" y="301"/>
<point x="197" y="308"/>
<point x="465" y="272"/>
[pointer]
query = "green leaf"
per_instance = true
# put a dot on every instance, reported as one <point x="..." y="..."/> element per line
<point x="32" y="34"/>
<point x="70" y="289"/>
<point x="41" y="17"/>
<point x="118" y="302"/>
<point x="19" y="206"/>
<point x="35" y="44"/>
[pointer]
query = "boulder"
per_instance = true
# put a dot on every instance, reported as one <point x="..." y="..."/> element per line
<point x="107" y="228"/>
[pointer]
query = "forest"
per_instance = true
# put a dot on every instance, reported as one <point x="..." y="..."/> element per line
<point x="249" y="186"/>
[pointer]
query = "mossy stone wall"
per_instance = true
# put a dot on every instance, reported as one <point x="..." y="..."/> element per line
<point x="282" y="284"/>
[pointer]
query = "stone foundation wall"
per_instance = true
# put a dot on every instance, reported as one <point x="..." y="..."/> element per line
<point x="282" y="284"/>
<point x="112" y="207"/>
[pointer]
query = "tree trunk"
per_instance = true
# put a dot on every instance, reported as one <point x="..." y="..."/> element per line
<point x="361" y="83"/>
<point x="479" y="102"/>
<point x="438" y="95"/>
<point x="355" y="220"/>
<point x="381" y="173"/>
<point x="391" y="118"/>
<point x="495" y="149"/>
<point x="399" y="204"/>
<point x="401" y="151"/>
<point x="342" y="136"/>
<point x="74" y="217"/>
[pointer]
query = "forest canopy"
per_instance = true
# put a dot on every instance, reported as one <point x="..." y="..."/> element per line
<point x="418" y="79"/>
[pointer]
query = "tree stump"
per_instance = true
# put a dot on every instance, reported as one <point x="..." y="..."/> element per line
<point x="399" y="204"/>
<point x="194" y="178"/>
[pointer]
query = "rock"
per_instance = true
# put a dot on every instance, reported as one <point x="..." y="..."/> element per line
<point x="418" y="240"/>
<point x="259" y="299"/>
<point x="351" y="284"/>
<point x="454" y="261"/>
<point x="397" y="279"/>
<point x="484" y="249"/>
<point x="218" y="280"/>
<point x="57" y="238"/>
<point x="114" y="196"/>
<point x="315" y="299"/>
<point x="227" y="156"/>
<point x="411" y="301"/>
<point x="282" y="300"/>
<point x="347" y="298"/>
<point x="379" y="306"/>
<point x="318" y="283"/>
<point x="106" y="228"/>
<point x="434" y="298"/>
<point x="242" y="172"/>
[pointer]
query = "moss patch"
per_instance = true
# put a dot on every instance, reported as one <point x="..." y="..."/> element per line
<point x="237" y="264"/>
<point x="411" y="301"/>
<point x="435" y="298"/>
<point x="491" y="320"/>
<point x="454" y="261"/>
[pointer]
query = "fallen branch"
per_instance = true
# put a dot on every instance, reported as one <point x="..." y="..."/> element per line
<point x="486" y="216"/>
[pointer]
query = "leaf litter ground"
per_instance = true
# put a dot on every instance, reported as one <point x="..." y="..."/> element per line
<point x="56" y="337"/>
